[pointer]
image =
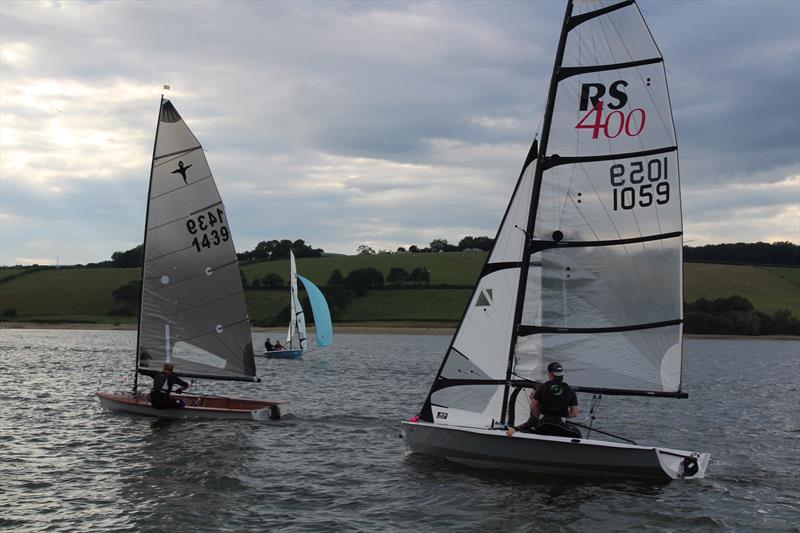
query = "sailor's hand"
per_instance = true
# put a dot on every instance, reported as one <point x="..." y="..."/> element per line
<point x="179" y="391"/>
<point x="510" y="431"/>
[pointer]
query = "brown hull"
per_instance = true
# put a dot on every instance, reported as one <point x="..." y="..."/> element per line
<point x="196" y="406"/>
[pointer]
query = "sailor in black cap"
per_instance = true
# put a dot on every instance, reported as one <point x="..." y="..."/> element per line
<point x="553" y="400"/>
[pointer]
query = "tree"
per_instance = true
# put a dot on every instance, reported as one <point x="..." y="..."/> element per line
<point x="365" y="250"/>
<point x="439" y="245"/>
<point x="477" y="243"/>
<point x="272" y="281"/>
<point x="128" y="297"/>
<point x="397" y="275"/>
<point x="420" y="275"/>
<point x="127" y="259"/>
<point x="400" y="249"/>
<point x="281" y="250"/>
<point x="256" y="283"/>
<point x="243" y="277"/>
<point x="336" y="279"/>
<point x="301" y="249"/>
<point x="414" y="249"/>
<point x="363" y="279"/>
<point x="263" y="250"/>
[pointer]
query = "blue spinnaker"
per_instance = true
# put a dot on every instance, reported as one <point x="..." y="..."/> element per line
<point x="322" y="315"/>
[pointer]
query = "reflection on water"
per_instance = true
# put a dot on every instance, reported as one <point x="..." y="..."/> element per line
<point x="339" y="464"/>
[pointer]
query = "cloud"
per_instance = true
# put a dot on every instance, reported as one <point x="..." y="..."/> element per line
<point x="348" y="122"/>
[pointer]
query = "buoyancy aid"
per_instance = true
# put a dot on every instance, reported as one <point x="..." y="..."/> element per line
<point x="555" y="399"/>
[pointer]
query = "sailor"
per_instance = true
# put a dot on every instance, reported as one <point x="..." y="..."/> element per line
<point x="553" y="400"/>
<point x="162" y="387"/>
<point x="279" y="346"/>
<point x="268" y="345"/>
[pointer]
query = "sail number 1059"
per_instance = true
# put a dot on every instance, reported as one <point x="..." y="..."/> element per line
<point x="639" y="183"/>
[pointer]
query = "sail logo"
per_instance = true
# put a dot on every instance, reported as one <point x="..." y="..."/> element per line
<point x="182" y="171"/>
<point x="613" y="124"/>
<point x="484" y="298"/>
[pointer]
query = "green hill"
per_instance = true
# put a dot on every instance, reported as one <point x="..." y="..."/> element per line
<point x="84" y="294"/>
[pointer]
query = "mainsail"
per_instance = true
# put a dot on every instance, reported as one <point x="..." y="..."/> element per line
<point x="193" y="310"/>
<point x="586" y="266"/>
<point x="297" y="323"/>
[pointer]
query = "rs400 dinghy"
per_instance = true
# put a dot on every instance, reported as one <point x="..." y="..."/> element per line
<point x="586" y="268"/>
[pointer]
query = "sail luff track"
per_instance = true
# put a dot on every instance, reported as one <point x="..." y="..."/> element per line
<point x="144" y="249"/>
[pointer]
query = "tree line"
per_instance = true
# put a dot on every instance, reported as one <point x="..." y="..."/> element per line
<point x="736" y="315"/>
<point x="758" y="253"/>
<point x="753" y="253"/>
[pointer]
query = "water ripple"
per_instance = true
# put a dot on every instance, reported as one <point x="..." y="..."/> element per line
<point x="337" y="463"/>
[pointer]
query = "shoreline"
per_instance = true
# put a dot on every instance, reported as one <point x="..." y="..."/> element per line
<point x="362" y="328"/>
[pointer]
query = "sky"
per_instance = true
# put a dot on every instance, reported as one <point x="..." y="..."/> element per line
<point x="349" y="123"/>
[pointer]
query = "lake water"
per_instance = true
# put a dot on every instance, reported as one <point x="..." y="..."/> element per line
<point x="339" y="465"/>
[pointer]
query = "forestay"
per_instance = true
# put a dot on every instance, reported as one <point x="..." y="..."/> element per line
<point x="598" y="286"/>
<point x="193" y="310"/>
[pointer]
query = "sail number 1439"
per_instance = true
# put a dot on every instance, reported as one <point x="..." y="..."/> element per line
<point x="208" y="230"/>
<point x="639" y="183"/>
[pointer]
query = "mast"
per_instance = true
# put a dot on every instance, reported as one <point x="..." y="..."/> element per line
<point x="144" y="248"/>
<point x="537" y="185"/>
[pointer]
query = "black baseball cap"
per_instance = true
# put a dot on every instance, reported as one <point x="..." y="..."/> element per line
<point x="556" y="368"/>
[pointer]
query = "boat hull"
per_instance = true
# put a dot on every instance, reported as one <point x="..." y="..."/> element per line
<point x="528" y="452"/>
<point x="196" y="407"/>
<point x="282" y="354"/>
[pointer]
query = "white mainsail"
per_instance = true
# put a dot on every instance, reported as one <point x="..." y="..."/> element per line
<point x="193" y="311"/>
<point x="297" y="323"/>
<point x="586" y="267"/>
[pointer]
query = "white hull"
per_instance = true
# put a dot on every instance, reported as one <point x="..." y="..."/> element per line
<point x="215" y="407"/>
<point x="484" y="448"/>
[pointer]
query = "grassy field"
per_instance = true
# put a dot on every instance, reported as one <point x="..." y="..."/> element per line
<point x="73" y="294"/>
<point x="386" y="305"/>
<point x="8" y="272"/>
<point x="768" y="288"/>
<point x="65" y="291"/>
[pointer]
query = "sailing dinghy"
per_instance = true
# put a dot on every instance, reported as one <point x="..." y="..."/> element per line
<point x="586" y="268"/>
<point x="193" y="311"/>
<point x="297" y="322"/>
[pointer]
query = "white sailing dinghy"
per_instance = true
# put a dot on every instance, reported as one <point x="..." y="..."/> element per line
<point x="297" y="322"/>
<point x="193" y="311"/>
<point x="586" y="268"/>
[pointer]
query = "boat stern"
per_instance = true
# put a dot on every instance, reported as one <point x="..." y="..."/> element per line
<point x="679" y="464"/>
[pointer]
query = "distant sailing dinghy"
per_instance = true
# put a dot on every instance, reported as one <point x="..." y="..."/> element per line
<point x="193" y="312"/>
<point x="297" y="322"/>
<point x="585" y="268"/>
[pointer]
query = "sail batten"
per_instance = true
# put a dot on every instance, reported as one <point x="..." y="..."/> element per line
<point x="550" y="162"/>
<point x="567" y="72"/>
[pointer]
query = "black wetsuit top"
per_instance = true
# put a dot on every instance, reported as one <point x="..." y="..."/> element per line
<point x="555" y="398"/>
<point x="163" y="382"/>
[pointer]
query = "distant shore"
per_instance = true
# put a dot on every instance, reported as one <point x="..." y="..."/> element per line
<point x="377" y="328"/>
<point x="361" y="328"/>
